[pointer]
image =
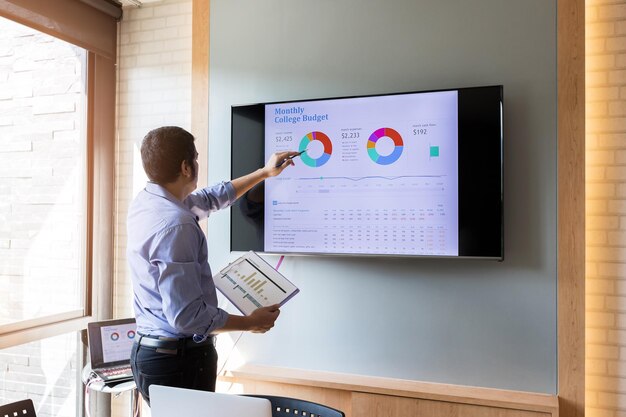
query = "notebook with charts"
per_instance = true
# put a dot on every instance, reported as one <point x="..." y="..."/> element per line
<point x="110" y="343"/>
<point x="249" y="283"/>
<point x="170" y="401"/>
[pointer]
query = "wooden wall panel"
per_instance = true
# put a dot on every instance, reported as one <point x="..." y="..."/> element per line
<point x="200" y="87"/>
<point x="359" y="404"/>
<point x="571" y="204"/>
<point x="364" y="396"/>
<point x="372" y="405"/>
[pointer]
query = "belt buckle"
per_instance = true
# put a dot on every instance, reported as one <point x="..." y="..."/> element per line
<point x="168" y="339"/>
<point x="167" y="351"/>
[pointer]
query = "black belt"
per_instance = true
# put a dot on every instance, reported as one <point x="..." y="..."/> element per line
<point x="169" y="343"/>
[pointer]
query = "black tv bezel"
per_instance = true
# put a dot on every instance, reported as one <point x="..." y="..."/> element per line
<point x="469" y="212"/>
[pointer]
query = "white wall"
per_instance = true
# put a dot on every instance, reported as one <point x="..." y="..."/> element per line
<point x="464" y="322"/>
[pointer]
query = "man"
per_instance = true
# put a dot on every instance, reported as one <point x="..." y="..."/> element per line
<point x="175" y="300"/>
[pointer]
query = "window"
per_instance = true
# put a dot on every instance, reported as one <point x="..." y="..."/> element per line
<point x="42" y="177"/>
<point x="45" y="371"/>
<point x="57" y="124"/>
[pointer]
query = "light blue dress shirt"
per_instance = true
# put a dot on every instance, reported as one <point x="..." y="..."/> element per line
<point x="174" y="293"/>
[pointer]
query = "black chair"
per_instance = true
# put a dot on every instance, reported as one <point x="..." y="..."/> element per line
<point x="289" y="407"/>
<point x="24" y="408"/>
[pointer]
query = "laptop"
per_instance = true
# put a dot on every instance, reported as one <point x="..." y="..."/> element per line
<point x="170" y="401"/>
<point x="110" y="344"/>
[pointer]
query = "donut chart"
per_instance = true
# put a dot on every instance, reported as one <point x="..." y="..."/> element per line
<point x="115" y="336"/>
<point x="394" y="155"/>
<point x="328" y="149"/>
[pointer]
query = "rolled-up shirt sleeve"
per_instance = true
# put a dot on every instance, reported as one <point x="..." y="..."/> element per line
<point x="188" y="309"/>
<point x="207" y="200"/>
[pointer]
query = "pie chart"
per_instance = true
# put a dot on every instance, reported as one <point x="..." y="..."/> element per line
<point x="326" y="143"/>
<point x="397" y="143"/>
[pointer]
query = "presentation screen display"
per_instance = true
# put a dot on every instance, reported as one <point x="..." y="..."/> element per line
<point x="411" y="174"/>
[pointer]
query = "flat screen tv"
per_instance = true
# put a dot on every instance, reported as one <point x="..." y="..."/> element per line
<point x="402" y="174"/>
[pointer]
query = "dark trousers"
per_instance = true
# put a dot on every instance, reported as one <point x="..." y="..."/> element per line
<point x="193" y="368"/>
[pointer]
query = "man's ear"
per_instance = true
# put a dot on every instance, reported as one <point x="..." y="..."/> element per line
<point x="185" y="169"/>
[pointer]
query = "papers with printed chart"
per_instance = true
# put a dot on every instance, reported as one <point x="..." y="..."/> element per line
<point x="250" y="282"/>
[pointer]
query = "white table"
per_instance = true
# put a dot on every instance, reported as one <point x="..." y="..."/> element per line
<point x="93" y="383"/>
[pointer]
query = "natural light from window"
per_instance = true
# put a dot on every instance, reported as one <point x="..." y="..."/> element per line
<point x="42" y="175"/>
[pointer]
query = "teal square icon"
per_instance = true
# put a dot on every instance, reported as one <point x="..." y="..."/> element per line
<point x="434" y="151"/>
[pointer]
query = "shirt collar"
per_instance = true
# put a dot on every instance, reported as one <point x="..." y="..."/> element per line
<point x="160" y="191"/>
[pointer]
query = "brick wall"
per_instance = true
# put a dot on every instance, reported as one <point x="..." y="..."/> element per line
<point x="606" y="208"/>
<point x="154" y="90"/>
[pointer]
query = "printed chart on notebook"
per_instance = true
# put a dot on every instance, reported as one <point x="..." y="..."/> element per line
<point x="249" y="283"/>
